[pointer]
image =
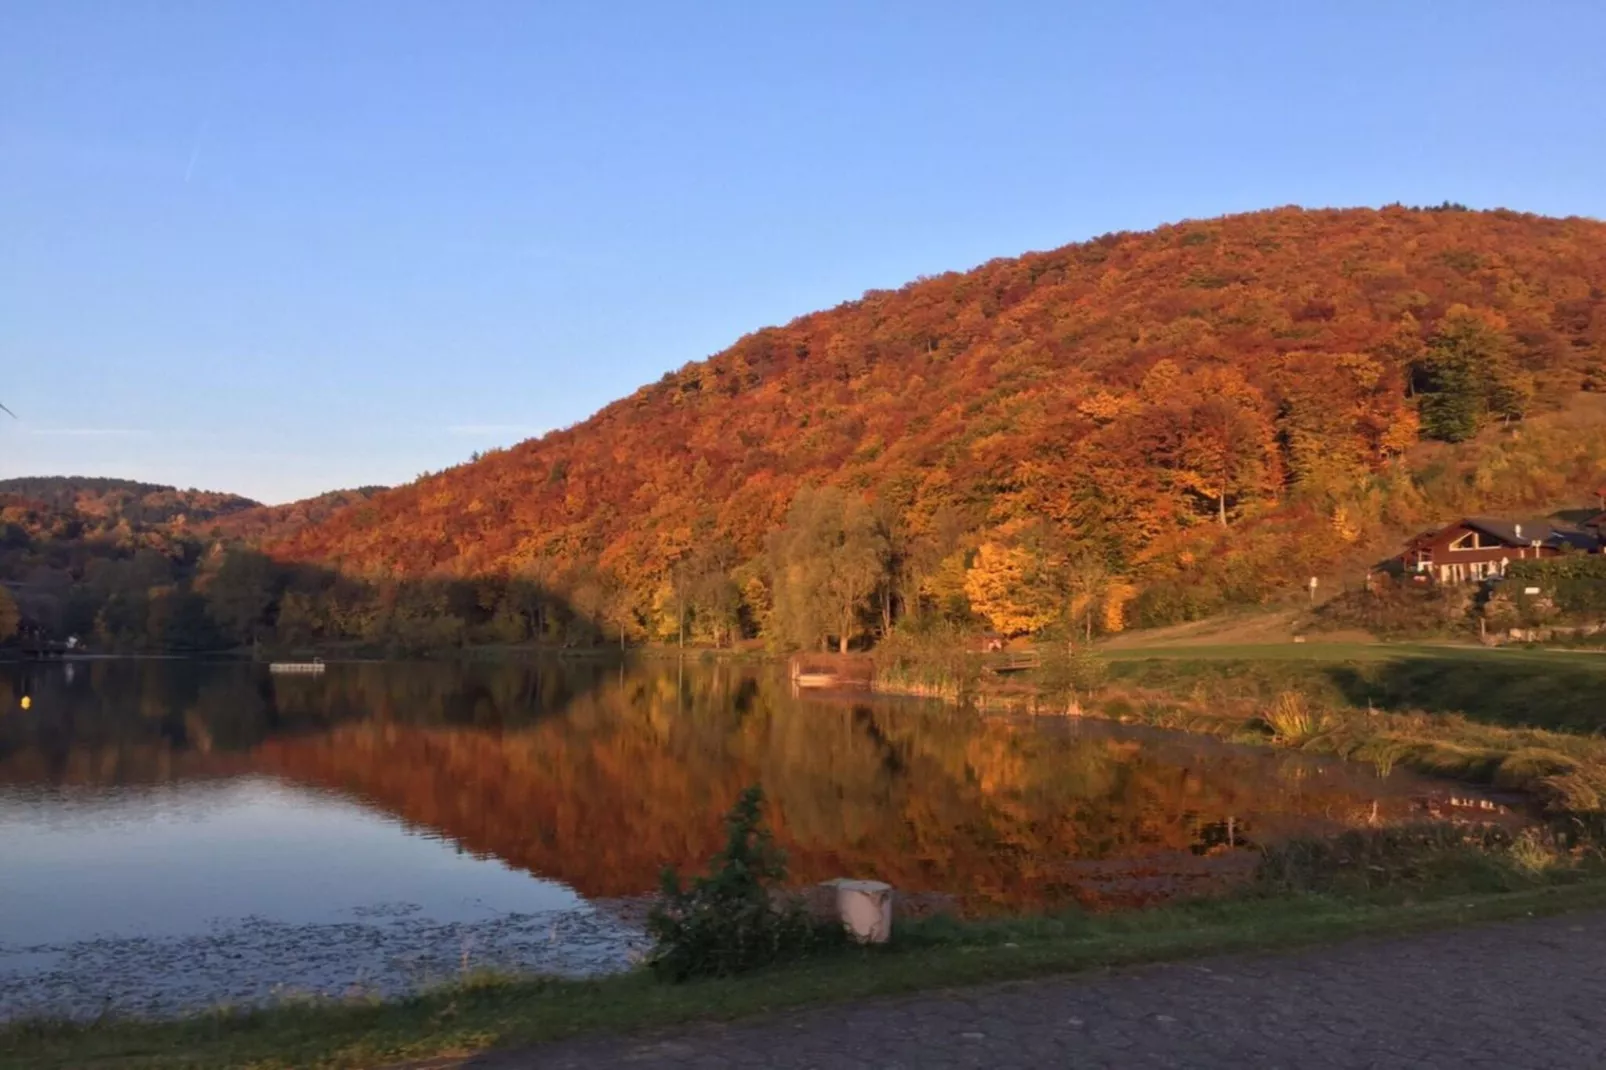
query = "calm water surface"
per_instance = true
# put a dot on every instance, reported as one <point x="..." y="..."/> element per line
<point x="176" y="859"/>
<point x="176" y="832"/>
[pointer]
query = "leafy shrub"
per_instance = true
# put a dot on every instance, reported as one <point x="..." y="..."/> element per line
<point x="932" y="659"/>
<point x="1073" y="674"/>
<point x="1175" y="602"/>
<point x="1400" y="609"/>
<point x="737" y="918"/>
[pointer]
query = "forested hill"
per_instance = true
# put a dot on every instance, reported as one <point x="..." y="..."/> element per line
<point x="1205" y="413"/>
<point x="125" y="499"/>
<point x="136" y="566"/>
<point x="279" y="521"/>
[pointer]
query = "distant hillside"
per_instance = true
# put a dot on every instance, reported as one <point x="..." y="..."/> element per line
<point x="124" y="499"/>
<point x="137" y="566"/>
<point x="281" y="521"/>
<point x="1210" y="412"/>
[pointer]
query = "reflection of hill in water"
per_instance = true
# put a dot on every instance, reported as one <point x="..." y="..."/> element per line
<point x="636" y="775"/>
<point x="598" y="777"/>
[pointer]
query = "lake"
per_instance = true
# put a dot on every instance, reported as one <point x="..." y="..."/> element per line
<point x="176" y="834"/>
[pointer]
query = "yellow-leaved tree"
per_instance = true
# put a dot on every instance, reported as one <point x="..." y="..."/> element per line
<point x="1012" y="588"/>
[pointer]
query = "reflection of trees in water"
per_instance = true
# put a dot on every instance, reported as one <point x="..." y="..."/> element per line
<point x="128" y="720"/>
<point x="111" y="722"/>
<point x="636" y="774"/>
<point x="598" y="776"/>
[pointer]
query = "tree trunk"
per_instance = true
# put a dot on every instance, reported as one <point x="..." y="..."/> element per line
<point x="1221" y="508"/>
<point x="842" y="643"/>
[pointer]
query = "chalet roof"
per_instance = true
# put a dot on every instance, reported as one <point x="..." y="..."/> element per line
<point x="1582" y="540"/>
<point x="1529" y="532"/>
<point x="1516" y="532"/>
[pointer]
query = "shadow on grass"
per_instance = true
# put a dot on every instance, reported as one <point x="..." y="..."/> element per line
<point x="1560" y="697"/>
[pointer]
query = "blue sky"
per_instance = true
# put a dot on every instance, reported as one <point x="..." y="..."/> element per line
<point x="281" y="247"/>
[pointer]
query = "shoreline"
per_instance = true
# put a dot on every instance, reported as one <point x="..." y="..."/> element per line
<point x="476" y="1014"/>
<point x="342" y="1010"/>
<point x="1563" y="773"/>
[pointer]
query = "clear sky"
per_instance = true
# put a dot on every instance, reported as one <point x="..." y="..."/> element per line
<point x="279" y="247"/>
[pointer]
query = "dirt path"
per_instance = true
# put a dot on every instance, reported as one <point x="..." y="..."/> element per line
<point x="1515" y="996"/>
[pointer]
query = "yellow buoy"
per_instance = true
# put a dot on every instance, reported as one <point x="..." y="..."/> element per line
<point x="27" y="702"/>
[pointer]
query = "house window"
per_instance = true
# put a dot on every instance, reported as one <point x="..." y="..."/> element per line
<point x="1472" y="540"/>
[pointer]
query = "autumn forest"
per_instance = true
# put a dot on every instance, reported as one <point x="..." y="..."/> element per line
<point x="1130" y="431"/>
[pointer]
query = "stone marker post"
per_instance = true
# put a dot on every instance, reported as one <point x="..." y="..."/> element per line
<point x="865" y="908"/>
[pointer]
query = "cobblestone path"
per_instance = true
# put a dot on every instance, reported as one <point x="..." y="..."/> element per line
<point x="1515" y="996"/>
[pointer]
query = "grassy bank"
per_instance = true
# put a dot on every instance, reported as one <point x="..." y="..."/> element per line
<point x="1527" y="721"/>
<point x="483" y="1013"/>
<point x="1523" y="720"/>
<point x="1560" y="690"/>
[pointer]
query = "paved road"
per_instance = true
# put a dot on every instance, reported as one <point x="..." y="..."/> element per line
<point x="1522" y="995"/>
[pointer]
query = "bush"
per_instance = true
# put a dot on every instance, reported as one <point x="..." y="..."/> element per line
<point x="737" y="918"/>
<point x="1175" y="602"/>
<point x="1400" y="609"/>
<point x="933" y="660"/>
<point x="1072" y="675"/>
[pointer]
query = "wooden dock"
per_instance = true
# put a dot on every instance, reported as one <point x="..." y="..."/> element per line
<point x="1008" y="662"/>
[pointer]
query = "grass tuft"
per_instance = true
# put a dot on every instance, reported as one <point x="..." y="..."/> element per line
<point x="1294" y="719"/>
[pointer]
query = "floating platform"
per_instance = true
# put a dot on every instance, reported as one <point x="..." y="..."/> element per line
<point x="314" y="666"/>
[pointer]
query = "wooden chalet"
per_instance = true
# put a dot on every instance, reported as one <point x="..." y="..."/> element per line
<point x="1479" y="548"/>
